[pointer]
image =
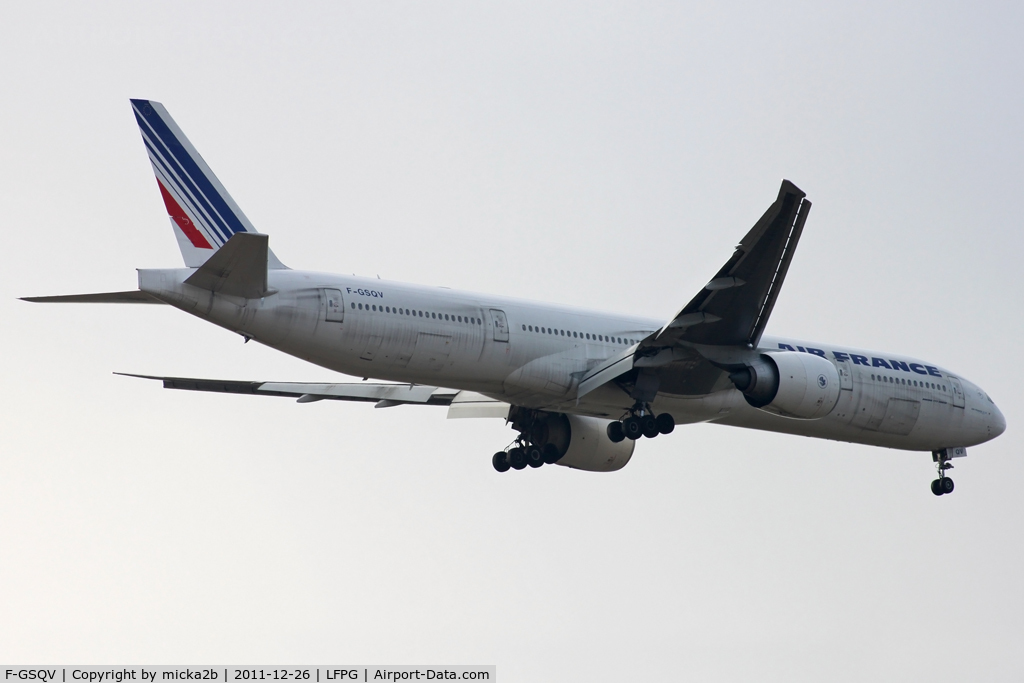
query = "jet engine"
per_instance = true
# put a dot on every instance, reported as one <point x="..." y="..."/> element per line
<point x="791" y="384"/>
<point x="582" y="441"/>
<point x="590" y="448"/>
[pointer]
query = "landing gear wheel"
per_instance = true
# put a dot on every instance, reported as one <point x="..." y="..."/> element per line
<point x="650" y="426"/>
<point x="937" y="487"/>
<point x="551" y="454"/>
<point x="534" y="457"/>
<point x="615" y="432"/>
<point x="666" y="423"/>
<point x="517" y="458"/>
<point x="500" y="461"/>
<point x="946" y="484"/>
<point x="632" y="428"/>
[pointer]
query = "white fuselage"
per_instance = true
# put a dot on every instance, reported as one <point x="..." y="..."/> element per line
<point x="533" y="355"/>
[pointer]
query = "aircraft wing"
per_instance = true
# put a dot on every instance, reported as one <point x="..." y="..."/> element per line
<point x="733" y="307"/>
<point x="460" y="403"/>
<point x="731" y="310"/>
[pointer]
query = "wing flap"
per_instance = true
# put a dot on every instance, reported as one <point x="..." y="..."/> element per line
<point x="606" y="371"/>
<point x="469" y="404"/>
<point x="308" y="392"/>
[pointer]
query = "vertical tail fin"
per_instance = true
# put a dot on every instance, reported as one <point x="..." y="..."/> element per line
<point x="203" y="215"/>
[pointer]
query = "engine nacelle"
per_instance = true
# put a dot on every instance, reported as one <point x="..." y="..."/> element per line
<point x="582" y="441"/>
<point x="790" y="384"/>
<point x="588" y="445"/>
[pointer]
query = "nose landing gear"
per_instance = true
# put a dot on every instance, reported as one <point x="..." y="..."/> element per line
<point x="639" y="423"/>
<point x="943" y="484"/>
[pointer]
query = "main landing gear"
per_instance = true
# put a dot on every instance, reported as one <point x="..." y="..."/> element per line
<point x="641" y="422"/>
<point x="943" y="484"/>
<point x="523" y="454"/>
<point x="543" y="439"/>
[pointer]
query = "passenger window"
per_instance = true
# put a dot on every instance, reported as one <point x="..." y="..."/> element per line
<point x="353" y="304"/>
<point x="360" y="307"/>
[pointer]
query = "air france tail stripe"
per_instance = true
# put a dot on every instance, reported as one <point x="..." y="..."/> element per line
<point x="174" y="181"/>
<point x="189" y="173"/>
<point x="165" y="168"/>
<point x="169" y="141"/>
<point x="182" y="220"/>
<point x="186" y="188"/>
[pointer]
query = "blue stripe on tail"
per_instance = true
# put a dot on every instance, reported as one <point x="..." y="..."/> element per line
<point x="220" y="214"/>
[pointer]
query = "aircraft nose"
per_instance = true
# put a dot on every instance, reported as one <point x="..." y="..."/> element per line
<point x="998" y="422"/>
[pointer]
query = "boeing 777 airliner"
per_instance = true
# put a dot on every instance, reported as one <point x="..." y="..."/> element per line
<point x="579" y="387"/>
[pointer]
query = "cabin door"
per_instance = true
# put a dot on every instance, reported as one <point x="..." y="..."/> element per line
<point x="958" y="392"/>
<point x="334" y="311"/>
<point x="500" y="324"/>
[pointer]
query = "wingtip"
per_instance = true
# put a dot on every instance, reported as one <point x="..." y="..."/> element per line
<point x="789" y="187"/>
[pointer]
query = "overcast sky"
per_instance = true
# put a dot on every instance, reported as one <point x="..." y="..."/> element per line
<point x="607" y="155"/>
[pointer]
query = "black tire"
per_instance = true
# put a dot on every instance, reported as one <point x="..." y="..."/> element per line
<point x="517" y="459"/>
<point x="936" y="487"/>
<point x="650" y="426"/>
<point x="632" y="428"/>
<point x="534" y="456"/>
<point x="947" y="485"/>
<point x="500" y="461"/>
<point x="551" y="454"/>
<point x="666" y="423"/>
<point x="615" y="433"/>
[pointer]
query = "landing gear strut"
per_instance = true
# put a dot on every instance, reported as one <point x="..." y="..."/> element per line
<point x="542" y="440"/>
<point x="641" y="422"/>
<point x="943" y="484"/>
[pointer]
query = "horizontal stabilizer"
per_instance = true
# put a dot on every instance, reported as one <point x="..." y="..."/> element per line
<point x="239" y="268"/>
<point x="133" y="297"/>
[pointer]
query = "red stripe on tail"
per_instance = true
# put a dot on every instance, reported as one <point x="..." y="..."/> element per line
<point x="182" y="220"/>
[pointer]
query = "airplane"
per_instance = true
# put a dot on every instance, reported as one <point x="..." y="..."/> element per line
<point x="578" y="387"/>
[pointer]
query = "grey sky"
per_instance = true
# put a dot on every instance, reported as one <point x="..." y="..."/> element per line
<point x="607" y="155"/>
